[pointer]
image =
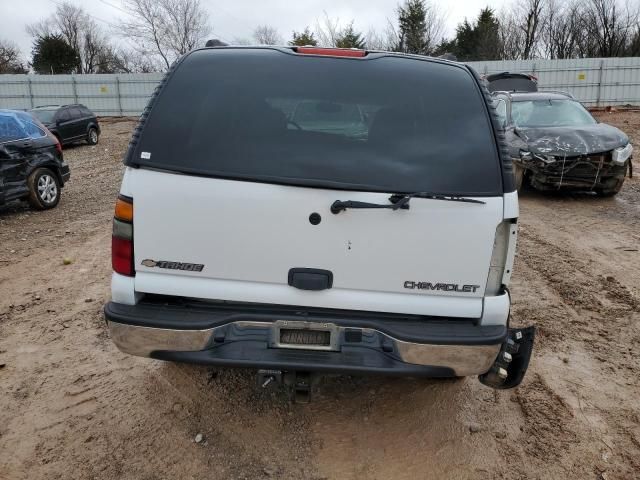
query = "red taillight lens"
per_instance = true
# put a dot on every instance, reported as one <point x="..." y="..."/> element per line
<point x="122" y="256"/>
<point x="332" y="52"/>
<point x="58" y="145"/>
<point x="122" y="239"/>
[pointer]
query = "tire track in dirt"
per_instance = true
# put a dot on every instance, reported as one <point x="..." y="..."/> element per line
<point x="594" y="323"/>
<point x="608" y="308"/>
<point x="548" y="425"/>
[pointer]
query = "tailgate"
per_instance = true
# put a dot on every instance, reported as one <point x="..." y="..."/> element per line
<point x="432" y="259"/>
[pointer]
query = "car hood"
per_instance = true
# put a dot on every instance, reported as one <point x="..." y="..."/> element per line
<point x="583" y="140"/>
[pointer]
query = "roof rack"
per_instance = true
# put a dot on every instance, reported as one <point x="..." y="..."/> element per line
<point x="60" y="105"/>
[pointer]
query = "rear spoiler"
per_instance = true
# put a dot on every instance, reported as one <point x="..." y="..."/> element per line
<point x="511" y="82"/>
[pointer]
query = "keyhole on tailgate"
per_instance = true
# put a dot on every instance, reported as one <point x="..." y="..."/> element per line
<point x="315" y="218"/>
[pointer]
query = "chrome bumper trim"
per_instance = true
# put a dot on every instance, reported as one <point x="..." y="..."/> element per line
<point x="464" y="360"/>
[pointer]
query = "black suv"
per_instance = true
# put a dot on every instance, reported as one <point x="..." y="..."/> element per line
<point x="31" y="163"/>
<point x="70" y="123"/>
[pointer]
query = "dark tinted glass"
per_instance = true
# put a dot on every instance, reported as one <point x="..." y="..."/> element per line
<point x="45" y="116"/>
<point x="382" y="124"/>
<point x="63" y="115"/>
<point x="516" y="84"/>
<point x="76" y="113"/>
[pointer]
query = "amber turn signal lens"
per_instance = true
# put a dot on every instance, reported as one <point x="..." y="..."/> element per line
<point x="124" y="209"/>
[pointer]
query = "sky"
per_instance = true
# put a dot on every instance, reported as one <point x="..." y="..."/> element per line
<point x="238" y="18"/>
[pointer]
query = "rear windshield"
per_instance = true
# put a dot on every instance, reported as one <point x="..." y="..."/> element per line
<point x="380" y="124"/>
<point x="19" y="126"/>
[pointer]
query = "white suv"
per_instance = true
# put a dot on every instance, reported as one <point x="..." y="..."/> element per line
<point x="380" y="241"/>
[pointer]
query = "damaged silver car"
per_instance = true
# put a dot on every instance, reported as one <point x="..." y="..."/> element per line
<point x="555" y="143"/>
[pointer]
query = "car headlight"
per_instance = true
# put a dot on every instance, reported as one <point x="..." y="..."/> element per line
<point x="622" y="154"/>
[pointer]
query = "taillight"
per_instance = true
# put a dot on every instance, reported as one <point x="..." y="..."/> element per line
<point x="58" y="145"/>
<point x="122" y="238"/>
<point x="332" y="52"/>
<point x="502" y="257"/>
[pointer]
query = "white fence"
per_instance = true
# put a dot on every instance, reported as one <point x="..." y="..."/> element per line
<point x="593" y="81"/>
<point x="106" y="95"/>
<point x="596" y="82"/>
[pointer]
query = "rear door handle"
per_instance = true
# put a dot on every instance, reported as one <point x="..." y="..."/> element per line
<point x="310" y="278"/>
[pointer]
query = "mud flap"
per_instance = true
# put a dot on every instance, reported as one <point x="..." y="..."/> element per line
<point x="513" y="360"/>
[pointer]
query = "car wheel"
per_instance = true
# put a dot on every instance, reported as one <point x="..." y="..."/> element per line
<point x="612" y="191"/>
<point x="92" y="136"/>
<point x="44" y="189"/>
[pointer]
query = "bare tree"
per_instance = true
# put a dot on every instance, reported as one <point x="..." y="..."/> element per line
<point x="633" y="48"/>
<point x="521" y="28"/>
<point x="562" y="29"/>
<point x="385" y="39"/>
<point x="327" y="30"/>
<point x="166" y="29"/>
<point x="10" y="61"/>
<point x="509" y="36"/>
<point x="609" y="27"/>
<point x="531" y="26"/>
<point x="132" y="61"/>
<point x="80" y="31"/>
<point x="267" y="35"/>
<point x="331" y="32"/>
<point x="436" y="23"/>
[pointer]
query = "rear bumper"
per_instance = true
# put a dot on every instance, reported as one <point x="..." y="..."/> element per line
<point x="65" y="172"/>
<point x="221" y="336"/>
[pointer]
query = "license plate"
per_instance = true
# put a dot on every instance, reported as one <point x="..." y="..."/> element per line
<point x="304" y="335"/>
<point x="295" y="336"/>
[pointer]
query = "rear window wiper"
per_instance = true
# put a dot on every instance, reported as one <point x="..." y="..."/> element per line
<point x="399" y="201"/>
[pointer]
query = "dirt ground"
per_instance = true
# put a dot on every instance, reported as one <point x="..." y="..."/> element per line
<point x="72" y="406"/>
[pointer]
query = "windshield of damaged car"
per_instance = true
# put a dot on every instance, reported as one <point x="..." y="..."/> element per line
<point x="550" y="113"/>
<point x="387" y="124"/>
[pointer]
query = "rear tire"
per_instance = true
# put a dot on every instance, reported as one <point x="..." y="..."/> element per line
<point x="92" y="136"/>
<point x="44" y="189"/>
